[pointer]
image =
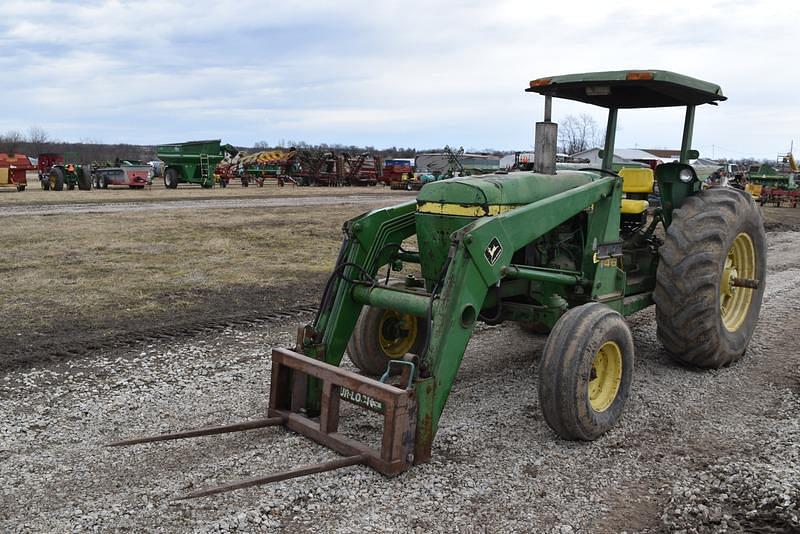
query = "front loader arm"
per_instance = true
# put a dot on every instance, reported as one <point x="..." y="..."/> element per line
<point x="470" y="272"/>
<point x="369" y="244"/>
<point x="370" y="240"/>
<point x="473" y="269"/>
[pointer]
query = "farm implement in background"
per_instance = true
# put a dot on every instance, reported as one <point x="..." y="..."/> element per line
<point x="301" y="167"/>
<point x="779" y="197"/>
<point x="133" y="174"/>
<point x="449" y="163"/>
<point x="258" y="167"/>
<point x="397" y="170"/>
<point x="776" y="185"/>
<point x="570" y="253"/>
<point x="192" y="162"/>
<point x="362" y="170"/>
<point x="13" y="171"/>
<point x="326" y="168"/>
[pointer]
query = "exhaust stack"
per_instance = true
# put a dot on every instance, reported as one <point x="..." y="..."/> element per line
<point x="545" y="141"/>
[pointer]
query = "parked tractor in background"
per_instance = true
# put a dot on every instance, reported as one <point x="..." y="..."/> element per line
<point x="569" y="252"/>
<point x="13" y="171"/>
<point x="57" y="172"/>
<point x="192" y="162"/>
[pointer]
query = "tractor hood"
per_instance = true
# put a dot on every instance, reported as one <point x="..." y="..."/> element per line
<point x="479" y="196"/>
<point x="447" y="206"/>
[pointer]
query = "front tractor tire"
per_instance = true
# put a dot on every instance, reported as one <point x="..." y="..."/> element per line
<point x="586" y="371"/>
<point x="705" y="319"/>
<point x="381" y="335"/>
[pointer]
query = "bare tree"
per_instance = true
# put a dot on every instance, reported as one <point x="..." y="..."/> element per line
<point x="576" y="134"/>
<point x="38" y="139"/>
<point x="10" y="142"/>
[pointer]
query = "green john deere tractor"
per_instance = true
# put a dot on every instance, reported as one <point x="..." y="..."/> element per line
<point x="63" y="174"/>
<point x="564" y="252"/>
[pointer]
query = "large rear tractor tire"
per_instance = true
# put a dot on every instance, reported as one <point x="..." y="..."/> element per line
<point x="84" y="179"/>
<point x="171" y="178"/>
<point x="381" y="335"/>
<point x="586" y="371"/>
<point x="56" y="179"/>
<point x="705" y="319"/>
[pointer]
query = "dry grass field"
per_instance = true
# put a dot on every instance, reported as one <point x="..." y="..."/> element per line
<point x="88" y="278"/>
<point x="33" y="195"/>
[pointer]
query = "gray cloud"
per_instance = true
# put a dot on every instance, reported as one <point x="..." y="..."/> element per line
<point x="382" y="73"/>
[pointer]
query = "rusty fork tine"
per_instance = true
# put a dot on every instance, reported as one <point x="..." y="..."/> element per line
<point x="205" y="431"/>
<point x="277" y="477"/>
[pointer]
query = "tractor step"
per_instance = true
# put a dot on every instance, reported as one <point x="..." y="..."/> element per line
<point x="287" y="406"/>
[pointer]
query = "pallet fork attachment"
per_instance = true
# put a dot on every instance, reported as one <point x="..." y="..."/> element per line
<point x="291" y="373"/>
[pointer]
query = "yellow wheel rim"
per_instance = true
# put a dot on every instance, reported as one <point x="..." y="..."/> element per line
<point x="52" y="181"/>
<point x="606" y="376"/>
<point x="734" y="302"/>
<point x="397" y="333"/>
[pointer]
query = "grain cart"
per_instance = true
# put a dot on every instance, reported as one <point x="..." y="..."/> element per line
<point x="570" y="253"/>
<point x="57" y="172"/>
<point x="190" y="163"/>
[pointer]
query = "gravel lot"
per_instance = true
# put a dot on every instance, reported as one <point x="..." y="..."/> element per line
<point x="696" y="451"/>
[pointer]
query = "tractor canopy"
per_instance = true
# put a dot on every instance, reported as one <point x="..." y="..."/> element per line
<point x="630" y="89"/>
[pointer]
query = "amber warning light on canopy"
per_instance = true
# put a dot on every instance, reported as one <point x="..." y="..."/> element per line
<point x="540" y="82"/>
<point x="634" y="76"/>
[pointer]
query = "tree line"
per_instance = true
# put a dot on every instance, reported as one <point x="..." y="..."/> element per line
<point x="38" y="141"/>
<point x="575" y="134"/>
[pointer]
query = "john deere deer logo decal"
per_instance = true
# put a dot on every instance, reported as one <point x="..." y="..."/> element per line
<point x="493" y="251"/>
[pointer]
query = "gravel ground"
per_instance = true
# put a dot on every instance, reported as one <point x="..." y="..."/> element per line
<point x="696" y="451"/>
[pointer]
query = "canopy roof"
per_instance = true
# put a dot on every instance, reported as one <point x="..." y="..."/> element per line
<point x="630" y="89"/>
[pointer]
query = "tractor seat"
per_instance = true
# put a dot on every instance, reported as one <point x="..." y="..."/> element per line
<point x="637" y="183"/>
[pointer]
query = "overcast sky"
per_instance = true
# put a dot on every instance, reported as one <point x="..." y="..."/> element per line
<point x="382" y="73"/>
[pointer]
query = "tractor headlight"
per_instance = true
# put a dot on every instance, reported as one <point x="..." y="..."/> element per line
<point x="685" y="175"/>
